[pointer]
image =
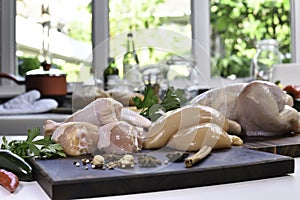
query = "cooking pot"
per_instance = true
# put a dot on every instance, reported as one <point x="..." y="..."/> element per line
<point x="49" y="82"/>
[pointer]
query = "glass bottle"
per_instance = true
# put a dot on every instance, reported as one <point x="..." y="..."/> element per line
<point x="110" y="74"/>
<point x="267" y="54"/>
<point x="131" y="62"/>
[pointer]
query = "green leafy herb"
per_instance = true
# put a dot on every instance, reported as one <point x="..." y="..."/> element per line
<point x="152" y="109"/>
<point x="149" y="100"/>
<point x="41" y="148"/>
<point x="173" y="99"/>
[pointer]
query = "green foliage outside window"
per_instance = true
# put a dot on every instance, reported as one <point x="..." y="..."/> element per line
<point x="236" y="26"/>
<point x="240" y="24"/>
<point x="27" y="63"/>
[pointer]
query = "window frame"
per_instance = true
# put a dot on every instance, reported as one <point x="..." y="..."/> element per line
<point x="295" y="28"/>
<point x="200" y="13"/>
<point x="8" y="38"/>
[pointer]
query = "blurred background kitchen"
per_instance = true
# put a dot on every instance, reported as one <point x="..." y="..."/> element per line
<point x="193" y="44"/>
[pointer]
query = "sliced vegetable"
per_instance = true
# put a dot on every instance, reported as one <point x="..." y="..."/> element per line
<point x="9" y="180"/>
<point x="15" y="164"/>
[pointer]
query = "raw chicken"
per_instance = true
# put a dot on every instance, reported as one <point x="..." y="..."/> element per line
<point x="190" y="115"/>
<point x="99" y="123"/>
<point x="265" y="110"/>
<point x="208" y="134"/>
<point x="202" y="138"/>
<point x="192" y="128"/>
<point x="120" y="137"/>
<point x="100" y="112"/>
<point x="134" y="118"/>
<point x="260" y="107"/>
<point x="77" y="138"/>
<point x="222" y="99"/>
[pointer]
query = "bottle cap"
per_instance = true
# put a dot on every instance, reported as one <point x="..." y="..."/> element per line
<point x="111" y="60"/>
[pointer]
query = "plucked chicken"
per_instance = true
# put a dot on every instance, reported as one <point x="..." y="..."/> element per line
<point x="208" y="134"/>
<point x="193" y="128"/>
<point x="202" y="138"/>
<point x="103" y="124"/>
<point x="167" y="125"/>
<point x="100" y="112"/>
<point x="260" y="107"/>
<point x="77" y="138"/>
<point x="120" y="137"/>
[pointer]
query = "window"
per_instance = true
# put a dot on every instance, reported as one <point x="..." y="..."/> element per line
<point x="237" y="27"/>
<point x="147" y="18"/>
<point x="200" y="31"/>
<point x="161" y="32"/>
<point x="45" y="30"/>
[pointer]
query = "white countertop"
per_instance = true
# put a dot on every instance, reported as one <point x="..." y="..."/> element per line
<point x="286" y="187"/>
<point x="278" y="188"/>
<point x="19" y="124"/>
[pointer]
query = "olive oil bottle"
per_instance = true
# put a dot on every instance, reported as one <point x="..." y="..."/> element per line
<point x="110" y="74"/>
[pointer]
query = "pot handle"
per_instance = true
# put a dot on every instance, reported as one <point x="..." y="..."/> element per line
<point x="18" y="79"/>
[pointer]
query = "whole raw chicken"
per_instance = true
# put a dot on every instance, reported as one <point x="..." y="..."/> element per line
<point x="260" y="107"/>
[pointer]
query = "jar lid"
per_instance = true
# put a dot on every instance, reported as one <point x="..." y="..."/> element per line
<point x="266" y="42"/>
<point x="45" y="69"/>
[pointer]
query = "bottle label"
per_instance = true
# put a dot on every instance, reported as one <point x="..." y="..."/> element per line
<point x="132" y="73"/>
<point x="112" y="81"/>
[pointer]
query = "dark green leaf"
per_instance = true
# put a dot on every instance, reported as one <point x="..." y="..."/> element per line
<point x="4" y="144"/>
<point x="32" y="133"/>
<point x="45" y="141"/>
<point x="152" y="109"/>
<point x="30" y="147"/>
<point x="33" y="149"/>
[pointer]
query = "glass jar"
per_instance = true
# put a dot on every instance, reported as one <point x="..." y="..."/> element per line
<point x="267" y="54"/>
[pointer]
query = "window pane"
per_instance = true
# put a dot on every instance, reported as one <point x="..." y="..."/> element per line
<point x="56" y="30"/>
<point x="161" y="29"/>
<point x="237" y="26"/>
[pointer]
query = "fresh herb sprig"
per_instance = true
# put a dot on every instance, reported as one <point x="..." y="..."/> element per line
<point x="41" y="148"/>
<point x="149" y="100"/>
<point x="150" y="106"/>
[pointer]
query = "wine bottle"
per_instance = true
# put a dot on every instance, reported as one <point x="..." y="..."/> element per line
<point x="131" y="62"/>
<point x="111" y="74"/>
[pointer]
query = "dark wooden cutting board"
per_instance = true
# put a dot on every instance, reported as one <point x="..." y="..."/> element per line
<point x="288" y="145"/>
<point x="62" y="180"/>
